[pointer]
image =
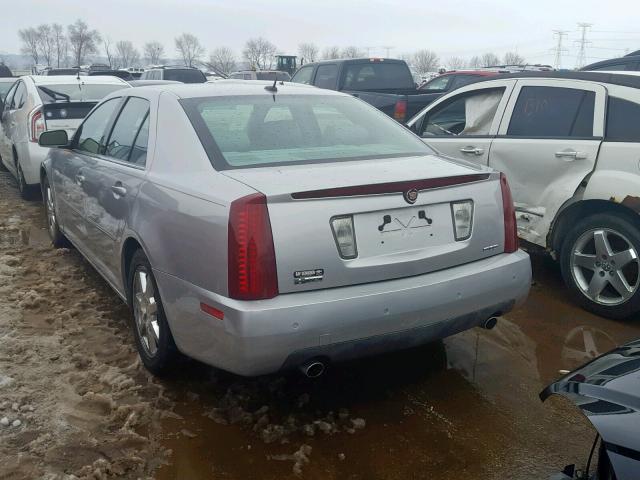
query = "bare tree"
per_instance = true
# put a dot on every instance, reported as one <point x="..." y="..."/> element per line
<point x="489" y="60"/>
<point x="425" y="61"/>
<point x="60" y="43"/>
<point x="46" y="43"/>
<point x="331" y="53"/>
<point x="82" y="41"/>
<point x="259" y="53"/>
<point x="126" y="54"/>
<point x="352" y="52"/>
<point x="456" y="63"/>
<point x="308" y="52"/>
<point x="513" y="58"/>
<point x="222" y="59"/>
<point x="189" y="48"/>
<point x="153" y="52"/>
<point x="30" y="39"/>
<point x="475" y="62"/>
<point x="109" y="52"/>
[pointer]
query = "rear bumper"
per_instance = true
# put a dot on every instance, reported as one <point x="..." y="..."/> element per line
<point x="31" y="155"/>
<point x="264" y="336"/>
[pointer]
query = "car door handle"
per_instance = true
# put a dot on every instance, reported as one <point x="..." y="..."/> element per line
<point x="474" y="150"/>
<point x="570" y="155"/>
<point x="118" y="190"/>
<point x="80" y="179"/>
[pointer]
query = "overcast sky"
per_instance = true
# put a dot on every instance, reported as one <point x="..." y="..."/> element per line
<point x="455" y="27"/>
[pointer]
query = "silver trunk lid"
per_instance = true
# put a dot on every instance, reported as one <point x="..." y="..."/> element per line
<point x="419" y="239"/>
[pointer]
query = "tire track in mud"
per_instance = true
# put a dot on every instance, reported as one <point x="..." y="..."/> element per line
<point x="74" y="398"/>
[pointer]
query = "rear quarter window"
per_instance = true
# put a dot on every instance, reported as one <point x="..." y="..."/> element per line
<point x="623" y="121"/>
<point x="377" y="76"/>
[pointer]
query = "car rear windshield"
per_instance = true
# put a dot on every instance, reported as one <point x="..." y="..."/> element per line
<point x="263" y="130"/>
<point x="284" y="76"/>
<point x="76" y="92"/>
<point x="185" y="76"/>
<point x="377" y="76"/>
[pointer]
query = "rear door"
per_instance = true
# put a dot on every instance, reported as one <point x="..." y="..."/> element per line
<point x="71" y="168"/>
<point x="113" y="182"/>
<point x="547" y="144"/>
<point x="464" y="124"/>
<point x="5" y="139"/>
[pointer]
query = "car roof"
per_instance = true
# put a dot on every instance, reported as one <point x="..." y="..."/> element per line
<point x="356" y="60"/>
<point x="73" y="79"/>
<point x="223" y="88"/>
<point x="625" y="79"/>
<point x="8" y="79"/>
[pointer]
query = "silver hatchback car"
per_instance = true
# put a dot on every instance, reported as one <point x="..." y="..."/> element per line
<point x="259" y="227"/>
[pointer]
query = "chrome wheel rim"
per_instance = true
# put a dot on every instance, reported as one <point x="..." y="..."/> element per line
<point x="145" y="312"/>
<point x="51" y="213"/>
<point x="605" y="266"/>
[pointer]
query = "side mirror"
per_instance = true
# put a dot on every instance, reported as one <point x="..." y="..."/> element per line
<point x="54" y="138"/>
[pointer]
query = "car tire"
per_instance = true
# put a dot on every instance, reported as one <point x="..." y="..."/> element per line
<point x="27" y="192"/>
<point x="600" y="265"/>
<point x="57" y="237"/>
<point x="3" y="167"/>
<point x="153" y="337"/>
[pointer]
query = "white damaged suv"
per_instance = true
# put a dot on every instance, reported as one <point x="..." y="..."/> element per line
<point x="569" y="142"/>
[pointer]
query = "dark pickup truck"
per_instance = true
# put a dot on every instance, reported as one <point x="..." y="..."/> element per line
<point x="385" y="83"/>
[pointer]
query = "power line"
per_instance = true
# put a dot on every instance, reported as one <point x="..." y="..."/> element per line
<point x="560" y="35"/>
<point x="582" y="53"/>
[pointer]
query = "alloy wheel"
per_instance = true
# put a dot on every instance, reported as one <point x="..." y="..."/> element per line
<point x="51" y="213"/>
<point x="145" y="311"/>
<point x="605" y="266"/>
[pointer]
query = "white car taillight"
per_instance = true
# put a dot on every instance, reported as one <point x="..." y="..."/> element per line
<point x="345" y="236"/>
<point x="462" y="214"/>
<point x="37" y="125"/>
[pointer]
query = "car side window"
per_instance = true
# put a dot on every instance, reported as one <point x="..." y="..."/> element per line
<point x="9" y="98"/>
<point x="467" y="114"/>
<point x="553" y="112"/>
<point x="20" y="96"/>
<point x="303" y="75"/>
<point x="126" y="128"/>
<point x="91" y="134"/>
<point x="138" y="153"/>
<point x="326" y="76"/>
<point x="623" y="121"/>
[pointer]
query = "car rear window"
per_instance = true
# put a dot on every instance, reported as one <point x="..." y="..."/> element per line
<point x="263" y="130"/>
<point x="283" y="76"/>
<point x="377" y="76"/>
<point x="185" y="76"/>
<point x="623" y="121"/>
<point x="76" y="92"/>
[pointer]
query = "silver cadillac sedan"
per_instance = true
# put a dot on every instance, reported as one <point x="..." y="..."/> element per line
<point x="258" y="226"/>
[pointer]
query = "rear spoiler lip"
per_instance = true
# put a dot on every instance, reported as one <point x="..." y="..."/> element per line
<point x="56" y="105"/>
<point x="391" y="187"/>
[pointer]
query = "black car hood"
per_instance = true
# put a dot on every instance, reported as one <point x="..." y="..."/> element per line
<point x="607" y="390"/>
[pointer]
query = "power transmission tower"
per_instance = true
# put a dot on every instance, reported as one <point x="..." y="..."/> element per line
<point x="582" y="53"/>
<point x="560" y="35"/>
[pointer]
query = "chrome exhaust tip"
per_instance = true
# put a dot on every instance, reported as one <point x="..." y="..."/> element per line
<point x="489" y="323"/>
<point x="313" y="369"/>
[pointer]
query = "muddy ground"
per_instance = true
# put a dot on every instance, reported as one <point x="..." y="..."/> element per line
<point x="75" y="401"/>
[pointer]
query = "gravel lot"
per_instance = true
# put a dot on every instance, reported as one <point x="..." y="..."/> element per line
<point x="76" y="402"/>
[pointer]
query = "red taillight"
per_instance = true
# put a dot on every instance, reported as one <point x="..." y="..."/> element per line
<point x="252" y="259"/>
<point x="401" y="110"/>
<point x="510" y="228"/>
<point x="37" y="125"/>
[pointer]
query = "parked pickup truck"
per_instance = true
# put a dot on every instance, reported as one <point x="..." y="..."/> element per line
<point x="385" y="83"/>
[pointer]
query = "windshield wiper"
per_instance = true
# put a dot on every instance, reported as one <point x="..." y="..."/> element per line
<point x="53" y="94"/>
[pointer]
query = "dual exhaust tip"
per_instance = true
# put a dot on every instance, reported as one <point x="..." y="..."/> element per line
<point x="315" y="368"/>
